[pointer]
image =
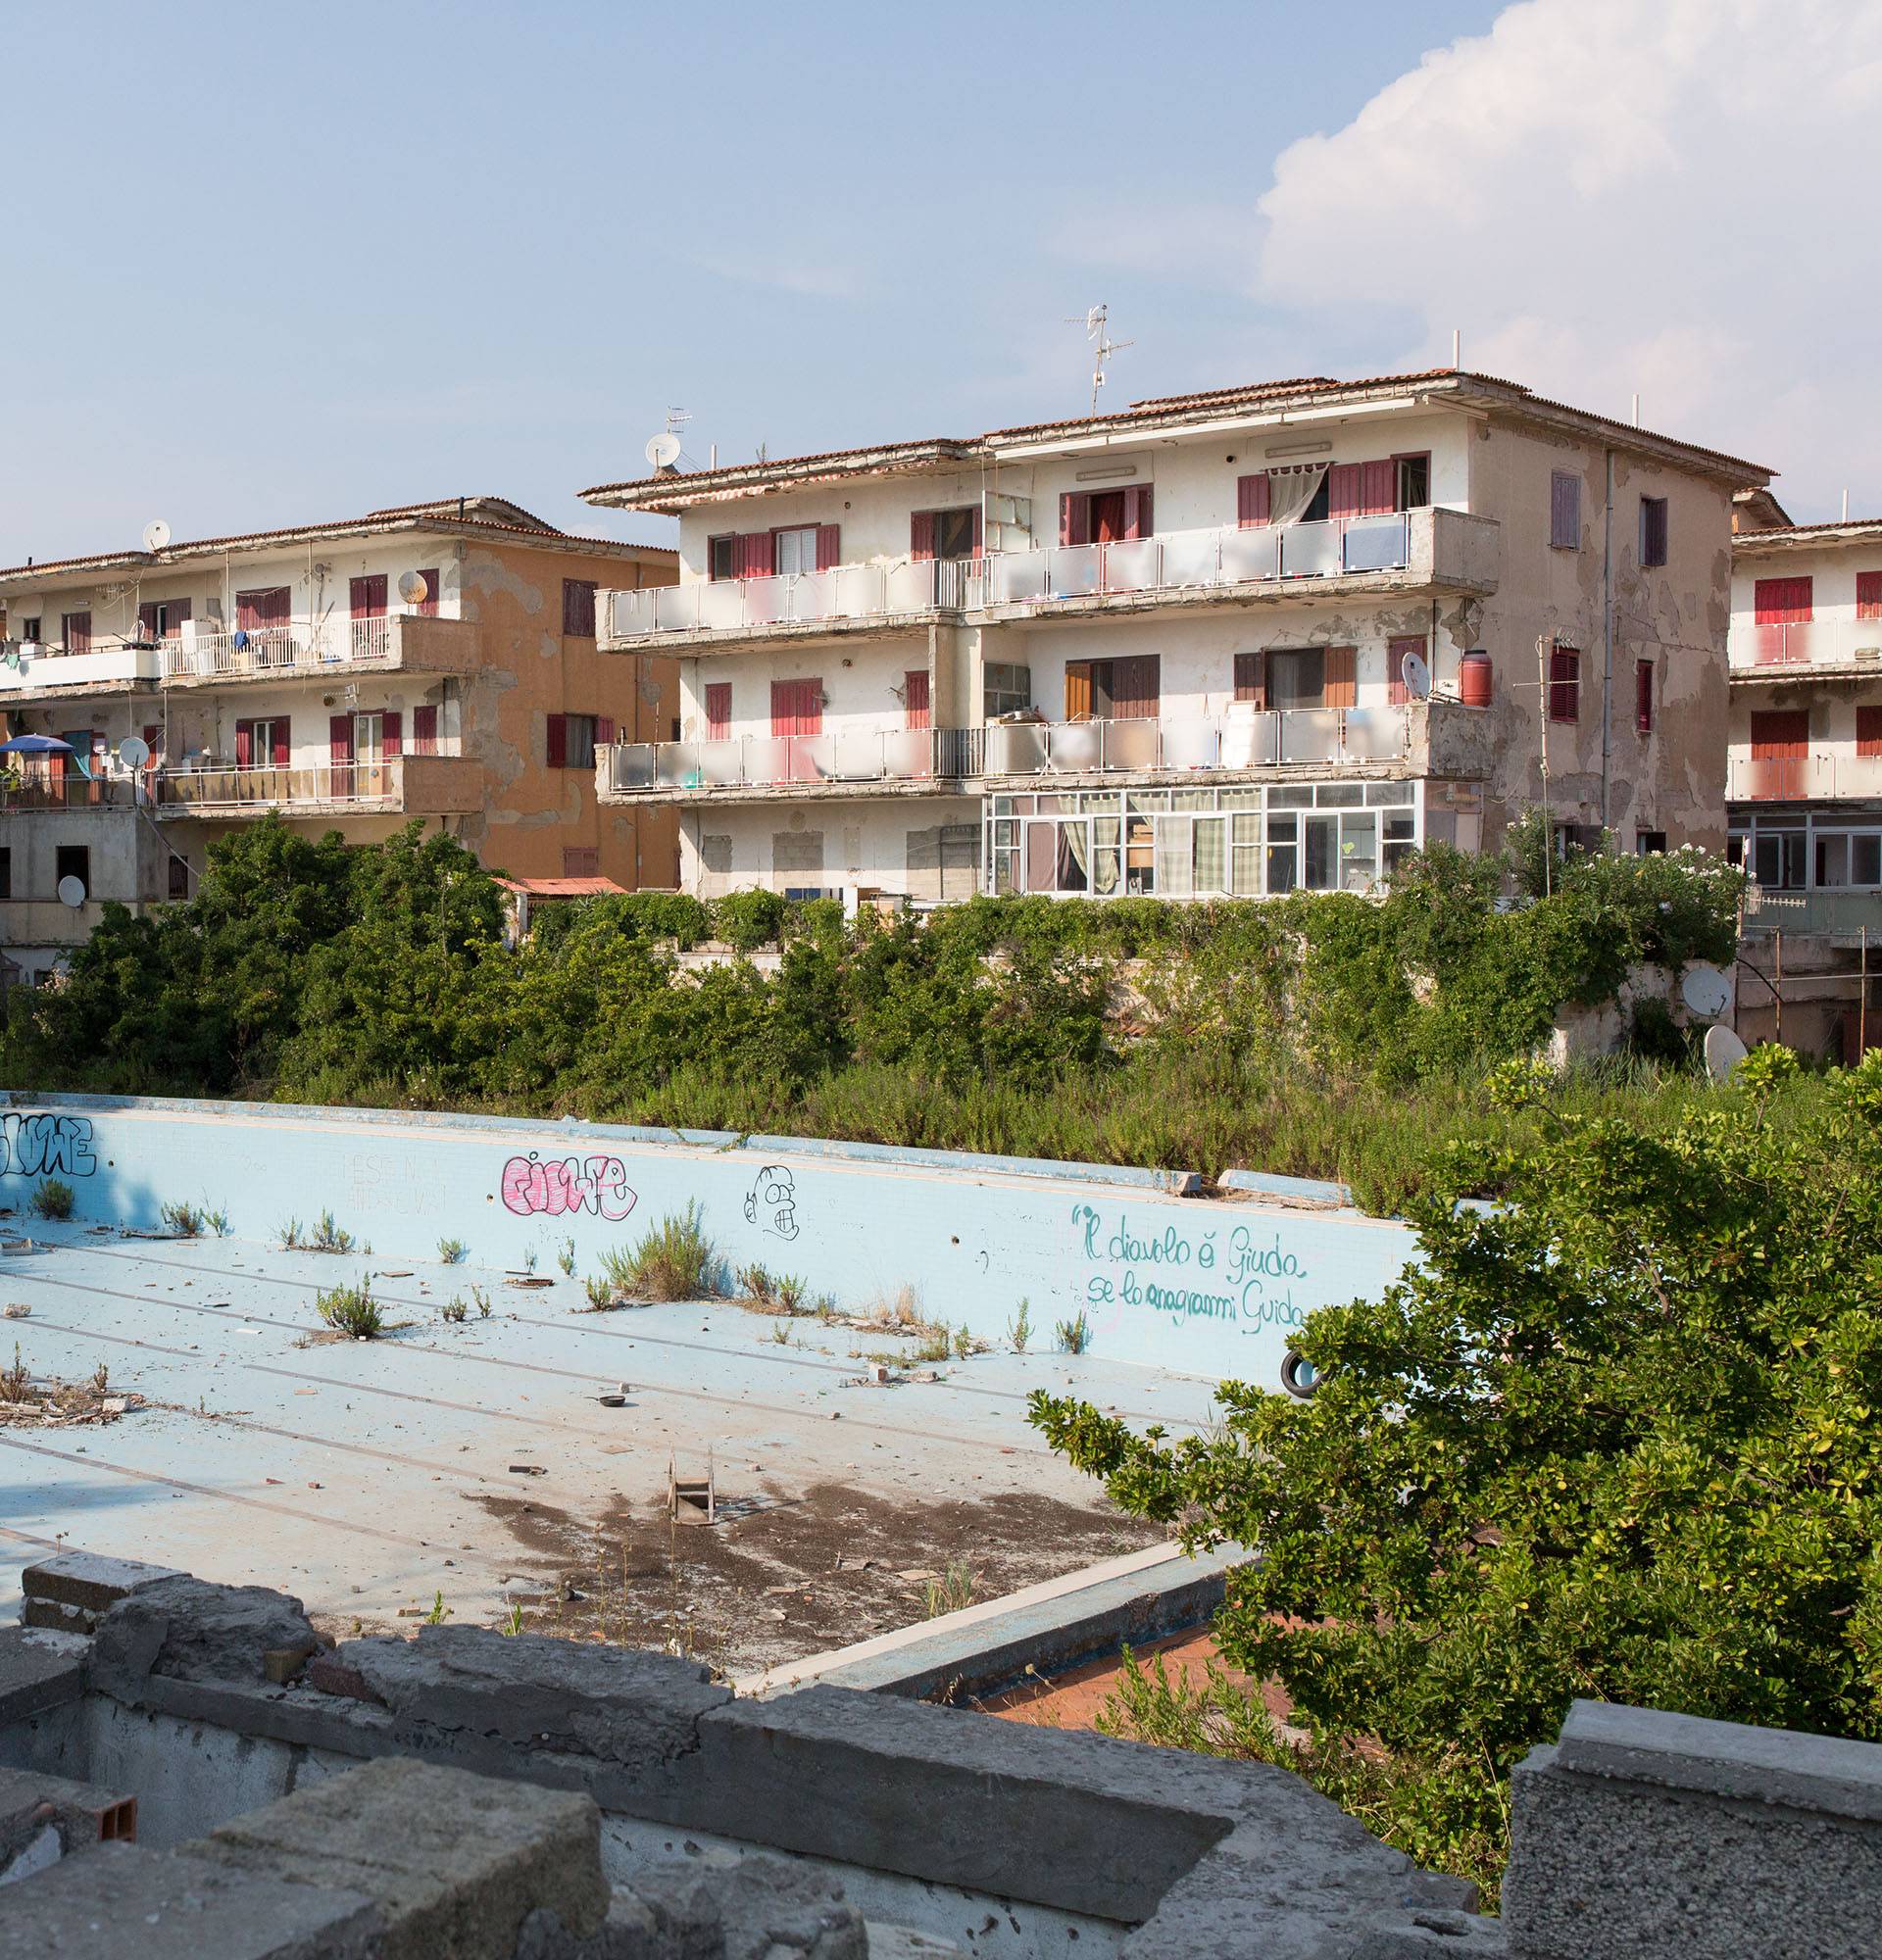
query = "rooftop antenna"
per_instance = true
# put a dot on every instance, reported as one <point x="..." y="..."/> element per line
<point x="1457" y="347"/>
<point x="1106" y="347"/>
<point x="1846" y="507"/>
<point x="1636" y="410"/>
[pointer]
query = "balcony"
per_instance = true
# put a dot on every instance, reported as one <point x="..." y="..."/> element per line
<point x="1839" y="914"/>
<point x="414" y="642"/>
<point x="1441" y="738"/>
<point x="1406" y="549"/>
<point x="401" y="785"/>
<point x="68" y="790"/>
<point x="52" y="670"/>
<point x="1819" y="777"/>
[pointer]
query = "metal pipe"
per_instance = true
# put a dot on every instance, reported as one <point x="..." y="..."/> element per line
<point x="1607" y="637"/>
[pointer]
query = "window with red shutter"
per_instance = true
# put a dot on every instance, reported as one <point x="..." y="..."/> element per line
<point x="245" y="745"/>
<point x="392" y="732"/>
<point x="718" y="711"/>
<point x="1074" y="517"/>
<point x="1139" y="521"/>
<point x="282" y="745"/>
<point x="75" y="630"/>
<point x="1869" y="732"/>
<point x="367" y="596"/>
<point x="756" y="555"/>
<point x="921" y="534"/>
<point x="1135" y="687"/>
<point x="267" y="607"/>
<point x="1378" y="487"/>
<point x="578" y="609"/>
<point x="1342" y="677"/>
<point x="1251" y="500"/>
<point x="556" y="747"/>
<point x="581" y="860"/>
<point x="829" y="546"/>
<point x="339" y="738"/>
<point x="797" y="707"/>
<point x="1395" y="691"/>
<point x="424" y="731"/>
<point x="1344" y="490"/>
<point x="429" y="605"/>
<point x="1564" y="684"/>
<point x="604" y="730"/>
<point x="1868" y="595"/>
<point x="1784" y="602"/>
<point x="1644" y="697"/>
<point x="915" y="698"/>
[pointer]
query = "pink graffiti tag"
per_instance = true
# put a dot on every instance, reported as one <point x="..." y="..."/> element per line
<point x="569" y="1184"/>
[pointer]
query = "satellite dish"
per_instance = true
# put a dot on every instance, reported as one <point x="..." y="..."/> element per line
<point x="134" y="751"/>
<point x="1724" y="1053"/>
<point x="71" y="892"/>
<point x="663" y="451"/>
<point x="156" y="535"/>
<point x="412" y="588"/>
<point x="1706" y="991"/>
<point x="1415" y="671"/>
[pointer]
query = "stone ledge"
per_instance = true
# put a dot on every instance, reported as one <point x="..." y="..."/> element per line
<point x="88" y="1582"/>
<point x="39" y="1670"/>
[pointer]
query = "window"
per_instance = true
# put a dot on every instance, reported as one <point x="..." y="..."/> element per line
<point x="1869" y="732"/>
<point x="424" y="731"/>
<point x="433" y="590"/>
<point x="1413" y="482"/>
<point x="1564" y="510"/>
<point x="914" y="699"/>
<point x="1784" y="602"/>
<point x="721" y="556"/>
<point x="578" y="609"/>
<point x="6" y="872"/>
<point x="1564" y="684"/>
<point x="581" y="860"/>
<point x="1004" y="689"/>
<point x="74" y="629"/>
<point x="1296" y="677"/>
<point x="945" y="534"/>
<point x="1649" y="843"/>
<point x="573" y="738"/>
<point x="29" y="630"/>
<point x="1644" y="697"/>
<point x="161" y="620"/>
<point x="178" y="881"/>
<point x="1868" y="595"/>
<point x="797" y="707"/>
<point x="365" y="596"/>
<point x="795" y="550"/>
<point x="1777" y="859"/>
<point x="1397" y="651"/>
<point x="1125" y="690"/>
<point x="263" y="743"/>
<point x="72" y="861"/>
<point x="1250" y="678"/>
<point x="1652" y="530"/>
<point x="1101" y="517"/>
<point x="263" y="609"/>
<point x="718" y="711"/>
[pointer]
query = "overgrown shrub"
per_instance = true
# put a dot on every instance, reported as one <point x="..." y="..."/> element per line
<point x="53" y="1197"/>
<point x="351" y="1311"/>
<point x="672" y="1261"/>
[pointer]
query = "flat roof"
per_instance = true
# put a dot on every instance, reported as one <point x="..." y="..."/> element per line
<point x="478" y="515"/>
<point x="670" y="492"/>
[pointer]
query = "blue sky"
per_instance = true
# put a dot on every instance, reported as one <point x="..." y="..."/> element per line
<point x="276" y="264"/>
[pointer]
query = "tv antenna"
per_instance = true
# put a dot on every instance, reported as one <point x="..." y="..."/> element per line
<point x="156" y="535"/>
<point x="1105" y="347"/>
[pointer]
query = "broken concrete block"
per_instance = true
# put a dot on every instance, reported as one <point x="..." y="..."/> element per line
<point x="192" y="1631"/>
<point x="46" y="1818"/>
<point x="626" y="1934"/>
<point x="471" y="1687"/>
<point x="85" y="1583"/>
<point x="282" y="1664"/>
<point x="456" y="1863"/>
<point x="38" y="1671"/>
<point x="750" y="1909"/>
<point x="333" y="1676"/>
<point x="120" y="1900"/>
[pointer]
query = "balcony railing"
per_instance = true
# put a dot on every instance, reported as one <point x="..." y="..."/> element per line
<point x="24" y="669"/>
<point x="1802" y="778"/>
<point x="295" y="645"/>
<point x="378" y="785"/>
<point x="1284" y="736"/>
<point x="1171" y="562"/>
<point x="838" y="755"/>
<point x="43" y="789"/>
<point x="1840" y="643"/>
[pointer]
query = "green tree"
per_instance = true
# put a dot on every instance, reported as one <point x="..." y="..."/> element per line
<point x="1617" y="1437"/>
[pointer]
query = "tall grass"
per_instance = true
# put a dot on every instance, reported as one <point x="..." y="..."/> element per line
<point x="673" y="1261"/>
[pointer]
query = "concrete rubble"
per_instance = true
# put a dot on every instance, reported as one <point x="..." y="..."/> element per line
<point x="468" y="1793"/>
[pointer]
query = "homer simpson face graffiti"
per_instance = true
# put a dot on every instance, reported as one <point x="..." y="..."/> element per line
<point x="772" y="1203"/>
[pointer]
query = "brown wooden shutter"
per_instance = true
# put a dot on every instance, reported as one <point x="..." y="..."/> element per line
<point x="368" y="595"/>
<point x="1251" y="675"/>
<point x="147" y="620"/>
<point x="718" y="710"/>
<point x="578" y="609"/>
<point x="1868" y="595"/>
<point x="1251" y="500"/>
<point x="1134" y="688"/>
<point x="1342" y="682"/>
<point x="1074" y="517"/>
<point x="1397" y="693"/>
<point x="921" y="534"/>
<point x="915" y="698"/>
<point x="1378" y="487"/>
<point x="829" y="546"/>
<point x="558" y="744"/>
<point x="424" y="731"/>
<point x="1564" y="684"/>
<point x="1644" y="697"/>
<point x="1077" y="690"/>
<point x="1780" y="735"/>
<point x="1564" y="510"/>
<point x="429" y="605"/>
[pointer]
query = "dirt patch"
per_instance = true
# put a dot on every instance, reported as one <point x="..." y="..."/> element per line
<point x="788" y="1574"/>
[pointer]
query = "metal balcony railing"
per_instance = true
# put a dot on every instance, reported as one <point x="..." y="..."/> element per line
<point x="378" y="784"/>
<point x="300" y="644"/>
<point x="1825" y="773"/>
<point x="837" y="755"/>
<point x="1837" y="643"/>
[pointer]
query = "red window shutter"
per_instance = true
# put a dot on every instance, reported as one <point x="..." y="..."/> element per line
<point x="1251" y="500"/>
<point x="1780" y="735"/>
<point x="391" y="726"/>
<point x="578" y="609"/>
<point x="557" y="749"/>
<point x="756" y="554"/>
<point x="1869" y="732"/>
<point x="1342" y="677"/>
<point x="424" y="731"/>
<point x="368" y="595"/>
<point x="1395" y="691"/>
<point x="1135" y="688"/>
<point x="1344" y="490"/>
<point x="147" y="620"/>
<point x="977" y="515"/>
<point x="718" y="711"/>
<point x="914" y="690"/>
<point x="1564" y="684"/>
<point x="153" y="742"/>
<point x="1250" y="669"/>
<point x="1644" y="697"/>
<point x="245" y="745"/>
<point x="284" y="741"/>
<point x="1137" y="512"/>
<point x="1378" y="487"/>
<point x="339" y="738"/>
<point x="797" y="707"/>
<point x="1784" y="602"/>
<point x="173" y="618"/>
<point x="604" y="730"/>
<point x="829" y="546"/>
<point x="429" y="605"/>
<point x="1074" y="517"/>
<point x="921" y="534"/>
<point x="1868" y="595"/>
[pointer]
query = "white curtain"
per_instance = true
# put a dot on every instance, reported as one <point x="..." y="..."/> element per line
<point x="1290" y="491"/>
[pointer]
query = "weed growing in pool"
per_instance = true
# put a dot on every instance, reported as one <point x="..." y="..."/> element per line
<point x="1075" y="1335"/>
<point x="565" y="1259"/>
<point x="351" y="1311"/>
<point x="952" y="1590"/>
<point x="454" y="1310"/>
<point x="673" y="1261"/>
<point x="451" y="1250"/>
<point x="331" y="1237"/>
<point x="1020" y="1332"/>
<point x="482" y="1302"/>
<point x="183" y="1219"/>
<point x="53" y="1197"/>
<point x="290" y="1234"/>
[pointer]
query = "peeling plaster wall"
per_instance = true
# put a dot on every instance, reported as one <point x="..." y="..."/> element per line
<point x="1675" y="616"/>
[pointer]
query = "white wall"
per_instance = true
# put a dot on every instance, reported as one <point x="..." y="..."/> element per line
<point x="865" y="842"/>
<point x="1833" y="571"/>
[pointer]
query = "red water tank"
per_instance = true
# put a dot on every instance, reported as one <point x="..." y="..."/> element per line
<point x="1474" y="679"/>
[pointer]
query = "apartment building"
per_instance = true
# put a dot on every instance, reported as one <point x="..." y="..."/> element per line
<point x="431" y="660"/>
<point x="1234" y="643"/>
<point x="1805" y="783"/>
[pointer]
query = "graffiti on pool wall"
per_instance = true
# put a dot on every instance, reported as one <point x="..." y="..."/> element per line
<point x="532" y="1185"/>
<point x="46" y="1147"/>
<point x="772" y="1203"/>
<point x="1245" y="1277"/>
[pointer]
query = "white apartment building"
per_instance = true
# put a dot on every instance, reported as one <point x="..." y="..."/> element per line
<point x="433" y="660"/>
<point x="1227" y="643"/>
<point x="1804" y="784"/>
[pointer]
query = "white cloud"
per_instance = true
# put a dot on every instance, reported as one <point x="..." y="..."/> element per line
<point x="1609" y="197"/>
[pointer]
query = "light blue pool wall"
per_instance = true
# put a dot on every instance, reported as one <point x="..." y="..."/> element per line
<point x="1204" y="1287"/>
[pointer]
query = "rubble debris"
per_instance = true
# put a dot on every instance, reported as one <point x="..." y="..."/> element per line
<point x="14" y="1309"/>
